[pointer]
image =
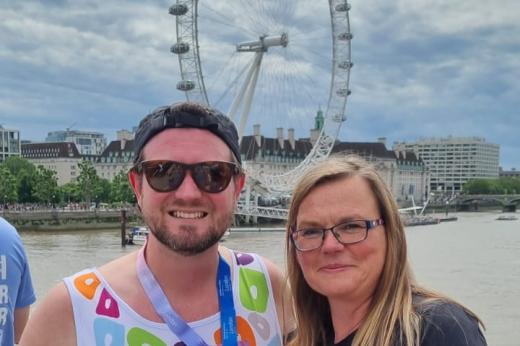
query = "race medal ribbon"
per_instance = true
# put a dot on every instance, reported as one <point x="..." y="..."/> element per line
<point x="176" y="324"/>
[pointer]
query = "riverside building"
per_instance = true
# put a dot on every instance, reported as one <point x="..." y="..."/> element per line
<point x="61" y="157"/>
<point x="88" y="143"/>
<point x="454" y="160"/>
<point x="9" y="143"/>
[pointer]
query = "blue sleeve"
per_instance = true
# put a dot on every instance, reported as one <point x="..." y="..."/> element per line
<point x="449" y="324"/>
<point x="26" y="294"/>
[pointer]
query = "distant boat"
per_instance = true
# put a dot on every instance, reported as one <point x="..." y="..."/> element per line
<point x="507" y="218"/>
<point x="138" y="235"/>
<point x="448" y="218"/>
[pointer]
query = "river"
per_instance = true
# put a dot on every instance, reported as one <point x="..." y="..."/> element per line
<point x="475" y="260"/>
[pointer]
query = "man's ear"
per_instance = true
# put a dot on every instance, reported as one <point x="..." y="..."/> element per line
<point x="240" y="181"/>
<point x="136" y="181"/>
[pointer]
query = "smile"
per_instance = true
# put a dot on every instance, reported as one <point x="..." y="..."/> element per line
<point x="188" y="215"/>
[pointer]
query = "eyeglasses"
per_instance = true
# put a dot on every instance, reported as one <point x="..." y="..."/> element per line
<point x="349" y="232"/>
<point x="165" y="175"/>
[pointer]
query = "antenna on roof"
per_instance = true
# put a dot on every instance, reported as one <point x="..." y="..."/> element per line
<point x="71" y="126"/>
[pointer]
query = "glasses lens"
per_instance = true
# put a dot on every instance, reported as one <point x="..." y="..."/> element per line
<point x="307" y="239"/>
<point x="164" y="176"/>
<point x="213" y="176"/>
<point x="351" y="232"/>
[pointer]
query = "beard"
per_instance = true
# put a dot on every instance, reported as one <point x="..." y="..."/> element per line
<point x="186" y="241"/>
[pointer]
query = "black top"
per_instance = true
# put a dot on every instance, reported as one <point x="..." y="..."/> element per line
<point x="443" y="323"/>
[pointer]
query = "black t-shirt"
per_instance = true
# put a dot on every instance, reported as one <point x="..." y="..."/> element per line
<point x="444" y="324"/>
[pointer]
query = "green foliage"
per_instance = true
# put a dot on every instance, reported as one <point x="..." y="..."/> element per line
<point x="23" y="182"/>
<point x="498" y="186"/>
<point x="70" y="192"/>
<point x="121" y="189"/>
<point x="24" y="173"/>
<point x="45" y="185"/>
<point x="89" y="182"/>
<point x="8" y="190"/>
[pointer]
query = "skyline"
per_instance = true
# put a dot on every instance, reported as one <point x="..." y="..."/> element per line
<point x="421" y="68"/>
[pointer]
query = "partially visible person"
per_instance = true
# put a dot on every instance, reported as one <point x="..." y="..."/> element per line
<point x="181" y="287"/>
<point x="16" y="289"/>
<point x="349" y="272"/>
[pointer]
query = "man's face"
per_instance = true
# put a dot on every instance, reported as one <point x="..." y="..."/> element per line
<point x="187" y="220"/>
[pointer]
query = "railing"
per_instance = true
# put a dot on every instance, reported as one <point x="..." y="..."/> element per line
<point x="268" y="212"/>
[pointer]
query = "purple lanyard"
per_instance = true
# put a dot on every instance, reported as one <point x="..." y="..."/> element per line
<point x="176" y="324"/>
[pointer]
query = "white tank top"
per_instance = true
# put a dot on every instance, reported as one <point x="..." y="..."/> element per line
<point x="102" y="318"/>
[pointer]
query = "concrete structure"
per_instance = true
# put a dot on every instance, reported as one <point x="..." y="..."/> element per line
<point x="62" y="157"/>
<point x="513" y="173"/>
<point x="118" y="156"/>
<point x="9" y="143"/>
<point x="87" y="143"/>
<point x="454" y="160"/>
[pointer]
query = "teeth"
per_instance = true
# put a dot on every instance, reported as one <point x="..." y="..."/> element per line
<point x="188" y="215"/>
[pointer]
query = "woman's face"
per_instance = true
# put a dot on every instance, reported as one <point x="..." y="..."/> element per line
<point x="335" y="270"/>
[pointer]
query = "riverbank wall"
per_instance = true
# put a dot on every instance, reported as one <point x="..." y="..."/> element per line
<point x="49" y="220"/>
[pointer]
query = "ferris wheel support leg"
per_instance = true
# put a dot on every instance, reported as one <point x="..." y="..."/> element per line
<point x="248" y="98"/>
<point x="237" y="101"/>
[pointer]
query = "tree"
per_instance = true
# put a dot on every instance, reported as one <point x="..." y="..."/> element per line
<point x="121" y="191"/>
<point x="70" y="192"/>
<point x="24" y="173"/>
<point x="8" y="191"/>
<point x="89" y="182"/>
<point x="45" y="187"/>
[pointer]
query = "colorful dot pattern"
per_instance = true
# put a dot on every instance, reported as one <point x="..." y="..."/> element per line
<point x="103" y="319"/>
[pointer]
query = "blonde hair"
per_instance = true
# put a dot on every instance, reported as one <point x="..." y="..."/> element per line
<point x="391" y="309"/>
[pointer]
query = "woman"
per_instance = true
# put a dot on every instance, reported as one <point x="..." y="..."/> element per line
<point x="348" y="268"/>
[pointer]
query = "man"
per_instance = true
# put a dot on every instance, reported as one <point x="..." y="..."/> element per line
<point x="187" y="180"/>
<point x="16" y="290"/>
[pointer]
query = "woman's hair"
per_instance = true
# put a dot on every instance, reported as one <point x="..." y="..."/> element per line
<point x="391" y="314"/>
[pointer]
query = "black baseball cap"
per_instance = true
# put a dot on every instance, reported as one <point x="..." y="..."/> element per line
<point x="186" y="115"/>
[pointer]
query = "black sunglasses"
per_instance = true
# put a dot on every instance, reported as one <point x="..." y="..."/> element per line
<point x="165" y="175"/>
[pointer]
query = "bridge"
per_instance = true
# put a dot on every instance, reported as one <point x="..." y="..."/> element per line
<point x="468" y="202"/>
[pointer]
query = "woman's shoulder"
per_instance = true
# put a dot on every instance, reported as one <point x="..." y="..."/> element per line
<point x="447" y="323"/>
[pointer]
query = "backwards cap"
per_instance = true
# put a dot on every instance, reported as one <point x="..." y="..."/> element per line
<point x="186" y="115"/>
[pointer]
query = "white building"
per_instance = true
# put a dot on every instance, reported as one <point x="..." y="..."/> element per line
<point x="118" y="156"/>
<point x="454" y="160"/>
<point x="404" y="173"/>
<point x="9" y="143"/>
<point x="63" y="158"/>
<point x="87" y="143"/>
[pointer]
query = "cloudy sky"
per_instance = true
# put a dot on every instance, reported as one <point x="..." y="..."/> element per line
<point x="422" y="68"/>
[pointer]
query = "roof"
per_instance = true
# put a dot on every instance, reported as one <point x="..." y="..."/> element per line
<point x="249" y="148"/>
<point x="364" y="149"/>
<point x="115" y="147"/>
<point x="50" y="150"/>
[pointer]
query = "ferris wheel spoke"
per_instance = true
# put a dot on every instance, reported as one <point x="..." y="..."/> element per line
<point x="222" y="19"/>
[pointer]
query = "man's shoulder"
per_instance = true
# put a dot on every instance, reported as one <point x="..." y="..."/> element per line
<point x="448" y="323"/>
<point x="53" y="316"/>
<point x="8" y="231"/>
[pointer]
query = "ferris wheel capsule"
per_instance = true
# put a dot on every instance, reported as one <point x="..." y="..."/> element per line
<point x="186" y="85"/>
<point x="339" y="118"/>
<point x="345" y="36"/>
<point x="178" y="10"/>
<point x="342" y="7"/>
<point x="345" y="64"/>
<point x="180" y="48"/>
<point x="343" y="92"/>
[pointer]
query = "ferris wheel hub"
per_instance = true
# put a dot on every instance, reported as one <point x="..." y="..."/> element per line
<point x="263" y="43"/>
